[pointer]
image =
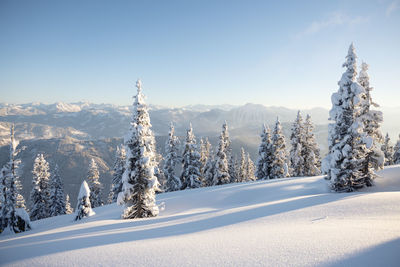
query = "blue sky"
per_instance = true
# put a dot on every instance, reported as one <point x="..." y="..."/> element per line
<point x="281" y="53"/>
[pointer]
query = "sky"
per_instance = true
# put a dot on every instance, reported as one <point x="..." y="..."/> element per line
<point x="275" y="53"/>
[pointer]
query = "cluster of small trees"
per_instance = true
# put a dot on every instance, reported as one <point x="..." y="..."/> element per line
<point x="47" y="196"/>
<point x="391" y="154"/>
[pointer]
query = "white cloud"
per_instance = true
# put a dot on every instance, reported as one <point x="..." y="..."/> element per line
<point x="334" y="19"/>
<point x="392" y="7"/>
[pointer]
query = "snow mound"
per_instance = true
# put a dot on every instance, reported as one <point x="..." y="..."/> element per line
<point x="283" y="222"/>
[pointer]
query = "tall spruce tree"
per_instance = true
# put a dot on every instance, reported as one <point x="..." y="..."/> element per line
<point x="346" y="144"/>
<point x="396" y="155"/>
<point x="265" y="155"/>
<point x="250" y="169"/>
<point x="209" y="170"/>
<point x="371" y="119"/>
<point x="171" y="160"/>
<point x="228" y="152"/>
<point x="68" y="208"/>
<point x="95" y="186"/>
<point x="279" y="168"/>
<point x="388" y="151"/>
<point x="297" y="139"/>
<point x="57" y="196"/>
<point x="40" y="194"/>
<point x="139" y="182"/>
<point x="221" y="174"/>
<point x="205" y="147"/>
<point x="118" y="171"/>
<point x="14" y="217"/>
<point x="310" y="150"/>
<point x="191" y="165"/>
<point x="83" y="208"/>
<point x="242" y="172"/>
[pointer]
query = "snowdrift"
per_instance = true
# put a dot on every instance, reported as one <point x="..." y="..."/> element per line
<point x="284" y="222"/>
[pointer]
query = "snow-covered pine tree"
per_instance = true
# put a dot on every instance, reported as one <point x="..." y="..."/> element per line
<point x="191" y="165"/>
<point x="228" y="152"/>
<point x="346" y="145"/>
<point x="297" y="137"/>
<point x="279" y="155"/>
<point x="57" y="196"/>
<point x="4" y="206"/>
<point x="388" y="151"/>
<point x="264" y="162"/>
<point x="118" y="171"/>
<point x="14" y="217"/>
<point x="94" y="184"/>
<point x="221" y="174"/>
<point x="40" y="194"/>
<point x="139" y="182"/>
<point x="242" y="173"/>
<point x="250" y="169"/>
<point x="205" y="147"/>
<point x="373" y="138"/>
<point x="310" y="150"/>
<point x="396" y="155"/>
<point x="209" y="170"/>
<point x="68" y="208"/>
<point x="159" y="173"/>
<point x="84" y="207"/>
<point x="171" y="160"/>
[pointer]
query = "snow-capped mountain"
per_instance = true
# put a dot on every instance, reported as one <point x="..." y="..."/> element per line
<point x="94" y="121"/>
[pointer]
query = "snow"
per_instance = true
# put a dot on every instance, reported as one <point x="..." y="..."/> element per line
<point x="280" y="222"/>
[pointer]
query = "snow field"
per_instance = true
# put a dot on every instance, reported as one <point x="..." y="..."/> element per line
<point x="283" y="222"/>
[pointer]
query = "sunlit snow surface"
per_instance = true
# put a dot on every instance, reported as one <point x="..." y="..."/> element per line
<point x="285" y="222"/>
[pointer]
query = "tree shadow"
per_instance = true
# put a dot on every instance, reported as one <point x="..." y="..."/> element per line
<point x="386" y="254"/>
<point x="39" y="245"/>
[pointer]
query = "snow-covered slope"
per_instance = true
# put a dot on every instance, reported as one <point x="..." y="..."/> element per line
<point x="285" y="222"/>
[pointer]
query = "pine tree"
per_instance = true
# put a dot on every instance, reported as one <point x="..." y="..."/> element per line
<point x="228" y="152"/>
<point x="118" y="171"/>
<point x="388" y="151"/>
<point x="57" y="203"/>
<point x="396" y="155"/>
<point x="310" y="150"/>
<point x="371" y="119"/>
<point x="209" y="170"/>
<point x="159" y="173"/>
<point x="68" y="208"/>
<point x="296" y="158"/>
<point x="139" y="182"/>
<point x="84" y="207"/>
<point x="191" y="175"/>
<point x="40" y="194"/>
<point x="14" y="217"/>
<point x="94" y="184"/>
<point x="346" y="145"/>
<point x="279" y="156"/>
<point x="221" y="174"/>
<point x="171" y="160"/>
<point x="205" y="147"/>
<point x="250" y="169"/>
<point x="242" y="173"/>
<point x="265" y="156"/>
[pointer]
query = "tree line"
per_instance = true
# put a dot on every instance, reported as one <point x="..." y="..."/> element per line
<point x="356" y="150"/>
